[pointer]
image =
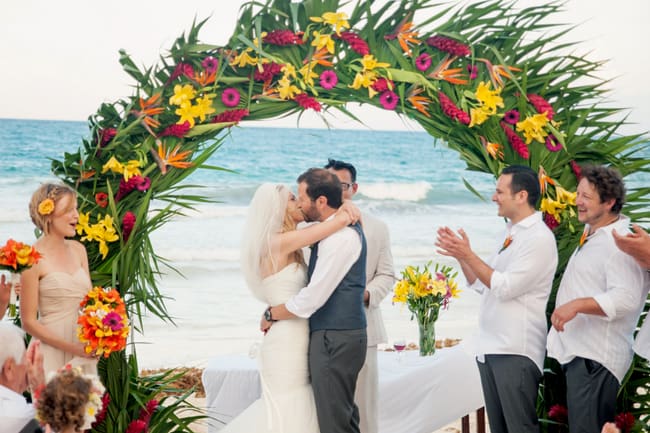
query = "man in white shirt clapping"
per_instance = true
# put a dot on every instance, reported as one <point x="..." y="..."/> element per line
<point x="515" y="283"/>
<point x="597" y="305"/>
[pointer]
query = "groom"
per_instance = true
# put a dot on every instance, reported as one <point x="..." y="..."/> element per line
<point x="333" y="302"/>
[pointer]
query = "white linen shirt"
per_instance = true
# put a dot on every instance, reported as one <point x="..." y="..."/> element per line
<point x="336" y="255"/>
<point x="15" y="412"/>
<point x="642" y="342"/>
<point x="601" y="271"/>
<point x="512" y="318"/>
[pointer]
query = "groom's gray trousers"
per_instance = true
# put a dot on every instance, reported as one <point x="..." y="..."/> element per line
<point x="335" y="358"/>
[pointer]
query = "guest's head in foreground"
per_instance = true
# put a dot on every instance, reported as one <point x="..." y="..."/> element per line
<point x="347" y="175"/>
<point x="600" y="196"/>
<point x="517" y="192"/>
<point x="53" y="209"/>
<point x="319" y="194"/>
<point x="70" y="401"/>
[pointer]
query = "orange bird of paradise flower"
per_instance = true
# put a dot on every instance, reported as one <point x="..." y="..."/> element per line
<point x="148" y="109"/>
<point x="498" y="71"/>
<point x="494" y="149"/>
<point x="320" y="57"/>
<point x="404" y="35"/>
<point x="544" y="180"/>
<point x="203" y="78"/>
<point x="442" y="71"/>
<point x="174" y="158"/>
<point x="420" y="103"/>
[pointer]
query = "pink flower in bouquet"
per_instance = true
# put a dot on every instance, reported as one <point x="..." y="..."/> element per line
<point x="541" y="105"/>
<point x="128" y="222"/>
<point x="559" y="413"/>
<point x="382" y="84"/>
<point x="230" y="116"/>
<point x="210" y="64"/>
<point x="450" y="46"/>
<point x="176" y="130"/>
<point x="306" y="102"/>
<point x="423" y="62"/>
<point x="515" y="141"/>
<point x="106" y="135"/>
<point x="328" y="79"/>
<point x="473" y="71"/>
<point x="268" y="71"/>
<point x="137" y="426"/>
<point x="389" y="100"/>
<point x="577" y="171"/>
<point x="552" y="143"/>
<point x="355" y="42"/>
<point x="113" y="321"/>
<point x="282" y="37"/>
<point x="511" y="117"/>
<point x="451" y="110"/>
<point x="230" y="97"/>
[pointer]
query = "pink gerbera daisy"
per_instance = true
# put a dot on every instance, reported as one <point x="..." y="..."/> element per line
<point x="423" y="62"/>
<point x="328" y="79"/>
<point x="389" y="99"/>
<point x="230" y="97"/>
<point x="210" y="64"/>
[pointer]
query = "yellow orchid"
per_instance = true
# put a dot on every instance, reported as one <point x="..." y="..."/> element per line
<point x="113" y="165"/>
<point x="289" y="71"/>
<point x="286" y="90"/>
<point x="337" y="19"/>
<point x="203" y="107"/>
<point x="401" y="291"/>
<point x="186" y="113"/>
<point x="308" y="74"/>
<point x="82" y="222"/>
<point x="323" y="41"/>
<point x="532" y="127"/>
<point x="552" y="207"/>
<point x="182" y="94"/>
<point x="369" y="62"/>
<point x="131" y="168"/>
<point x="244" y="59"/>
<point x="564" y="196"/>
<point x="489" y="99"/>
<point x="478" y="116"/>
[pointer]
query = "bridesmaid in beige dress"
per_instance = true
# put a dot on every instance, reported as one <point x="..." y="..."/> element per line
<point x="53" y="288"/>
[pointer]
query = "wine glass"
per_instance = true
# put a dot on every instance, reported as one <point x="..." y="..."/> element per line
<point x="399" y="345"/>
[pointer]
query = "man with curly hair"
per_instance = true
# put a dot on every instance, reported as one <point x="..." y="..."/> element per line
<point x="20" y="370"/>
<point x="597" y="305"/>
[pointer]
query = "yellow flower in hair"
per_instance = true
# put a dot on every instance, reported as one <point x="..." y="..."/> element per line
<point x="46" y="206"/>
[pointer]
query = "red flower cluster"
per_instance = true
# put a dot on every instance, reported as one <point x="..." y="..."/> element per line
<point x="182" y="69"/>
<point x="577" y="171"/>
<point x="382" y="84"/>
<point x="625" y="422"/>
<point x="101" y="198"/>
<point x="135" y="182"/>
<point x="541" y="105"/>
<point x="106" y="135"/>
<point x="230" y="116"/>
<point x="449" y="46"/>
<point x="552" y="224"/>
<point x="515" y="141"/>
<point x="128" y="222"/>
<point x="176" y="130"/>
<point x="557" y="412"/>
<point x="101" y="416"/>
<point x="283" y="37"/>
<point x="141" y="424"/>
<point x="268" y="71"/>
<point x="306" y="101"/>
<point x="355" y="42"/>
<point x="451" y="111"/>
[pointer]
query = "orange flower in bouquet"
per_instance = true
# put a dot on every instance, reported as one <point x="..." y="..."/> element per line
<point x="17" y="256"/>
<point x="103" y="323"/>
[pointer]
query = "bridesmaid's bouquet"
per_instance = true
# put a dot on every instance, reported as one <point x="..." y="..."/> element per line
<point x="103" y="322"/>
<point x="15" y="257"/>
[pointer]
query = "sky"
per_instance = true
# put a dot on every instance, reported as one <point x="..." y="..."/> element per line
<point x="60" y="59"/>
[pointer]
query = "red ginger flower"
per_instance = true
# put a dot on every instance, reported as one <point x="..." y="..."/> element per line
<point x="306" y="101"/>
<point x="451" y="111"/>
<point x="541" y="105"/>
<point x="449" y="46"/>
<point x="176" y="130"/>
<point x="268" y="71"/>
<point x="230" y="116"/>
<point x="148" y="410"/>
<point x="382" y="84"/>
<point x="577" y="171"/>
<point x="552" y="224"/>
<point x="101" y="416"/>
<point x="282" y="37"/>
<point x="515" y="141"/>
<point x="625" y="422"/>
<point x="137" y="426"/>
<point x="128" y="222"/>
<point x="355" y="42"/>
<point x="135" y="182"/>
<point x="182" y="69"/>
<point x="106" y="135"/>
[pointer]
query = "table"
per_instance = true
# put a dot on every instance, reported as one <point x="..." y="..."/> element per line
<point x="416" y="395"/>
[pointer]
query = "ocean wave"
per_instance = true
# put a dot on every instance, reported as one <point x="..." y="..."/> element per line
<point x="413" y="192"/>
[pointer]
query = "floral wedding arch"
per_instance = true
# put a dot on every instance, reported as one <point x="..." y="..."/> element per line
<point x="494" y="83"/>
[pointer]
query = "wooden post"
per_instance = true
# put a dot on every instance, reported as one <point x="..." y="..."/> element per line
<point x="465" y="424"/>
<point x="480" y="420"/>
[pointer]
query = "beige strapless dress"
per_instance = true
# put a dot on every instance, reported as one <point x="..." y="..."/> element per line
<point x="58" y="304"/>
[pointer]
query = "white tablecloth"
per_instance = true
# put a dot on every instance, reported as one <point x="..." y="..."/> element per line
<point x="417" y="395"/>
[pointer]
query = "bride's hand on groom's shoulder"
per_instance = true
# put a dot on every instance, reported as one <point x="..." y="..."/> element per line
<point x="349" y="212"/>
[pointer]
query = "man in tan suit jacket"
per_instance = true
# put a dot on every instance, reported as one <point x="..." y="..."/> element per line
<point x="380" y="279"/>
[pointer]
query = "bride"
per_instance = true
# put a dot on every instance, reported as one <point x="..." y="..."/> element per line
<point x="274" y="268"/>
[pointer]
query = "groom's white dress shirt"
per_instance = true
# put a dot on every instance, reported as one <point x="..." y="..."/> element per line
<point x="642" y="342"/>
<point x="512" y="319"/>
<point x="601" y="271"/>
<point x="15" y="412"/>
<point x="336" y="255"/>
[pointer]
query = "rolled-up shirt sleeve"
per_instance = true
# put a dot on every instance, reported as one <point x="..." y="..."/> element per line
<point x="336" y="255"/>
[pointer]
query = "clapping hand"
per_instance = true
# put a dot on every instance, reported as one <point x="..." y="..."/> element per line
<point x="452" y="244"/>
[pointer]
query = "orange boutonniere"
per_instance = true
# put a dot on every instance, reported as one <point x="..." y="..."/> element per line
<point x="583" y="238"/>
<point x="506" y="244"/>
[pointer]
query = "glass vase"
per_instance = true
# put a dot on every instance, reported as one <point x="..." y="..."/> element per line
<point x="14" y="279"/>
<point x="427" y="337"/>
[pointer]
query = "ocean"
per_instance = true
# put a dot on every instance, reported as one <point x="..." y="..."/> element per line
<point x="406" y="178"/>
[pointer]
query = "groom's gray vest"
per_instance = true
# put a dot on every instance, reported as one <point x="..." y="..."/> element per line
<point x="344" y="309"/>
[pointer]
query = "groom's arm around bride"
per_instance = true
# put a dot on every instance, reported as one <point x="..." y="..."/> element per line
<point x="333" y="302"/>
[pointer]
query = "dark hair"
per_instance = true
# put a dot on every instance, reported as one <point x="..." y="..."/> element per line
<point x="321" y="182"/>
<point x="608" y="183"/>
<point x="342" y="165"/>
<point x="524" y="179"/>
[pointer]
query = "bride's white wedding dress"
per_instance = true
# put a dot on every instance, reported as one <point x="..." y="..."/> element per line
<point x="287" y="403"/>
